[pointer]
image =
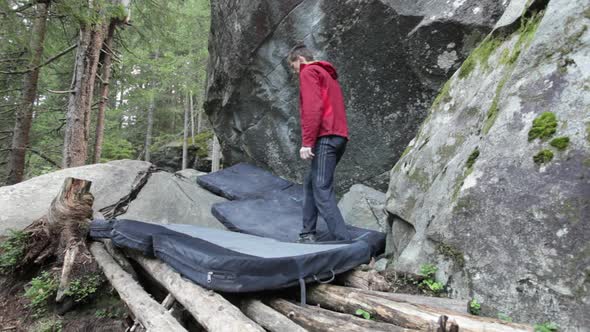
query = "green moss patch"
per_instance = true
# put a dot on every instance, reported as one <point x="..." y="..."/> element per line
<point x="588" y="132"/>
<point x="560" y="143"/>
<point x="544" y="126"/>
<point x="472" y="158"/>
<point x="543" y="157"/>
<point x="480" y="55"/>
<point x="451" y="253"/>
<point x="443" y="95"/>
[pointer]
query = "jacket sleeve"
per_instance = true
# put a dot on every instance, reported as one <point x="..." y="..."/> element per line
<point x="312" y="106"/>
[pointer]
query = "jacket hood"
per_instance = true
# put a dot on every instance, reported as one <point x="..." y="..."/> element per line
<point x="324" y="64"/>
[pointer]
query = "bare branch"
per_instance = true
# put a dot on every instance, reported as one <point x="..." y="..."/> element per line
<point x="60" y="92"/>
<point x="46" y="158"/>
<point x="53" y="58"/>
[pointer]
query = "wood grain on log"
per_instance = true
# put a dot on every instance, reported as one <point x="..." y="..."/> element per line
<point x="269" y="318"/>
<point x="149" y="312"/>
<point x="459" y="306"/>
<point x="367" y="280"/>
<point x="119" y="257"/>
<point x="211" y="310"/>
<point x="320" y="320"/>
<point x="408" y="315"/>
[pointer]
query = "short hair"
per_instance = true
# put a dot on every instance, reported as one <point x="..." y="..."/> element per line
<point x="300" y="50"/>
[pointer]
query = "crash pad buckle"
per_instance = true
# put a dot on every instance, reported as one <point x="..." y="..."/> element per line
<point x="315" y="277"/>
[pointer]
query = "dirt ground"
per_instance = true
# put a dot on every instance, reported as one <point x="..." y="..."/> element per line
<point x="105" y="312"/>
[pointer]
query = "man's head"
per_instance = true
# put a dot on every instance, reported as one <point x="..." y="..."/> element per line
<point x="298" y="55"/>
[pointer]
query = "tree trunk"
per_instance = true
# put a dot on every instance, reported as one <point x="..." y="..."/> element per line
<point x="24" y="114"/>
<point x="320" y="320"/>
<point x="192" y="118"/>
<point x="199" y="117"/>
<point x="150" y="126"/>
<point x="210" y="309"/>
<point x="402" y="314"/>
<point x="104" y="93"/>
<point x="216" y="155"/>
<point x="80" y="102"/>
<point x="185" y="133"/>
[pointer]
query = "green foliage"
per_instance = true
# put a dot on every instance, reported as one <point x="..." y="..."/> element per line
<point x="201" y="143"/>
<point x="40" y="290"/>
<point x="116" y="148"/>
<point x="546" y="327"/>
<point x="474" y="307"/>
<point x="544" y="156"/>
<point x="502" y="316"/>
<point x="12" y="250"/>
<point x="363" y="313"/>
<point x="560" y="143"/>
<point x="434" y="286"/>
<point x="48" y="324"/>
<point x="81" y="289"/>
<point x="114" y="313"/>
<point x="472" y="158"/>
<point x="544" y="126"/>
<point x="428" y="271"/>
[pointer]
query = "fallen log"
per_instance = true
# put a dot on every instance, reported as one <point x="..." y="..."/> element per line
<point x="269" y="318"/>
<point x="211" y="310"/>
<point x="119" y="257"/>
<point x="367" y="280"/>
<point x="459" y="306"/>
<point x="150" y="313"/>
<point x="408" y="315"/>
<point x="321" y="320"/>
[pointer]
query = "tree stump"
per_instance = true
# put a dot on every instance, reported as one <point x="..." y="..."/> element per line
<point x="61" y="234"/>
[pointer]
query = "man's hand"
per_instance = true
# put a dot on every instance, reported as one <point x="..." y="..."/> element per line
<point x="305" y="153"/>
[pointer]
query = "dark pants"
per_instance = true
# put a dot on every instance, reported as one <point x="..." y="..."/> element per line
<point x="318" y="188"/>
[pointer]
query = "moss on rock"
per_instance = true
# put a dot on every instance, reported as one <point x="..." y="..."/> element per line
<point x="480" y="55"/>
<point x="543" y="157"/>
<point x="544" y="126"/>
<point x="451" y="253"/>
<point x="560" y="143"/>
<point x="472" y="158"/>
<point x="443" y="95"/>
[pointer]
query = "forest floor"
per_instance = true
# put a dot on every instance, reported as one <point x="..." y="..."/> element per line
<point x="103" y="312"/>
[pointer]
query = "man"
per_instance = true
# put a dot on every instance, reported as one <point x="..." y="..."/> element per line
<point x="324" y="136"/>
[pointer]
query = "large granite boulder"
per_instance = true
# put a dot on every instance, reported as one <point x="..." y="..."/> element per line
<point x="495" y="188"/>
<point x="364" y="207"/>
<point x="165" y="198"/>
<point x="169" y="156"/>
<point x="174" y="199"/>
<point x="23" y="203"/>
<point x="392" y="57"/>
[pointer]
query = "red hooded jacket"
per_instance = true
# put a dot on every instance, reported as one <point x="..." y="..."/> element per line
<point x="322" y="105"/>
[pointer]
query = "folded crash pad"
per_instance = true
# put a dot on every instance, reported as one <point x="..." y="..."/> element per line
<point x="236" y="262"/>
<point x="279" y="217"/>
<point x="242" y="181"/>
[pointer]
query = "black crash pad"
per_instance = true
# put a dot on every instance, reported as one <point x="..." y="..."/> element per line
<point x="242" y="181"/>
<point x="279" y="216"/>
<point x="236" y="262"/>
